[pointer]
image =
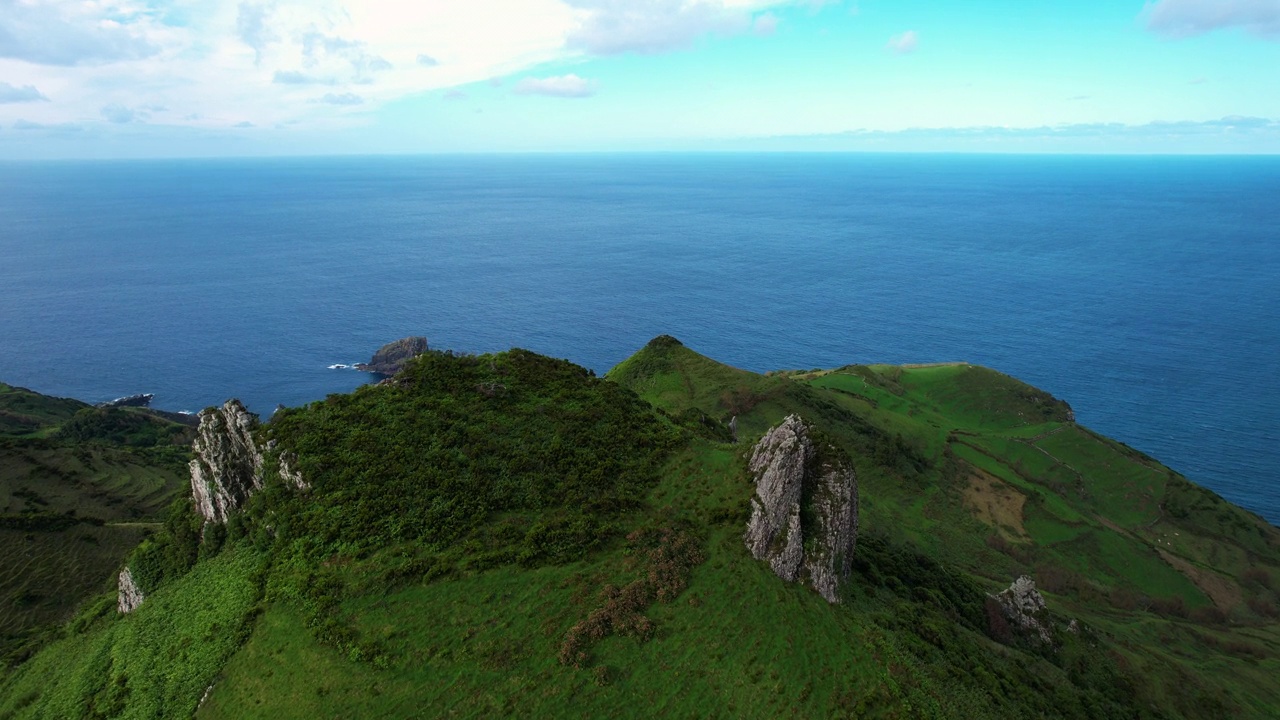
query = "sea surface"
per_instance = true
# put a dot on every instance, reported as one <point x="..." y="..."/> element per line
<point x="1143" y="290"/>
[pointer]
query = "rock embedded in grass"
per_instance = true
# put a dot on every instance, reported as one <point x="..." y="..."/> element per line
<point x="806" y="495"/>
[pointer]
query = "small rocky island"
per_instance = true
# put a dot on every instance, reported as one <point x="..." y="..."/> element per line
<point x="392" y="356"/>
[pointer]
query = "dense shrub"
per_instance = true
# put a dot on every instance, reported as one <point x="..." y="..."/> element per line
<point x="455" y="439"/>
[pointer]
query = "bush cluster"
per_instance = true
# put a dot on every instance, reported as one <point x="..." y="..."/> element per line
<point x="666" y="556"/>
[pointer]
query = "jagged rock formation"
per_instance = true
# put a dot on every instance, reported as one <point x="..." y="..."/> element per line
<point x="130" y="596"/>
<point x="392" y="356"/>
<point x="228" y="464"/>
<point x="806" y="496"/>
<point x="1024" y="607"/>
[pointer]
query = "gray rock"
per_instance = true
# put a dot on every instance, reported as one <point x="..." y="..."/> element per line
<point x="1024" y="607"/>
<point x="795" y="479"/>
<point x="391" y="357"/>
<point x="289" y="474"/>
<point x="228" y="463"/>
<point x="130" y="596"/>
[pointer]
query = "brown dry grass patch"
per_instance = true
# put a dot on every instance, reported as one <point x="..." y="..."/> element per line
<point x="1224" y="593"/>
<point x="996" y="503"/>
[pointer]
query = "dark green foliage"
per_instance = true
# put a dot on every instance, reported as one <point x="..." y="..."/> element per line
<point x="45" y="521"/>
<point x="123" y="426"/>
<point x="24" y="412"/>
<point x="880" y="563"/>
<point x="703" y="425"/>
<point x="174" y="551"/>
<point x="458" y="438"/>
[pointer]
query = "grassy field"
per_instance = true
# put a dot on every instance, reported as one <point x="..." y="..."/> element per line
<point x="72" y="508"/>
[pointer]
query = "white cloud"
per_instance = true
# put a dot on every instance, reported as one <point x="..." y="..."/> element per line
<point x="295" y="77"/>
<point x="570" y="86"/>
<point x="612" y="27"/>
<point x="117" y="113"/>
<point x="765" y="24"/>
<point x="14" y="94"/>
<point x="252" y="27"/>
<point x="342" y="99"/>
<point x="66" y="33"/>
<point x="21" y="124"/>
<point x="216" y="63"/>
<point x="1186" y="18"/>
<point x="903" y="43"/>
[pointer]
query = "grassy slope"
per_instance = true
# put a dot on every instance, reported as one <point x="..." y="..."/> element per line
<point x="1110" y="532"/>
<point x="113" y="470"/>
<point x="1114" y="536"/>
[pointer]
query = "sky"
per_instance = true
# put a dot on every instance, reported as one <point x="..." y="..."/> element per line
<point x="199" y="78"/>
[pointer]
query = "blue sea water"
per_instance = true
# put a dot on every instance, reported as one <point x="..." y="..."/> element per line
<point x="1145" y="291"/>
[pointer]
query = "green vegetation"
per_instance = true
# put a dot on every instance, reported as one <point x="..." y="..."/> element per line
<point x="80" y="487"/>
<point x="508" y="535"/>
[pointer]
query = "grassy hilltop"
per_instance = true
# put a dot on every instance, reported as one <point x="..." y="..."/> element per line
<point x="509" y="535"/>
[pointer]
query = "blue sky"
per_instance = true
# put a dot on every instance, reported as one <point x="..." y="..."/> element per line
<point x="156" y="78"/>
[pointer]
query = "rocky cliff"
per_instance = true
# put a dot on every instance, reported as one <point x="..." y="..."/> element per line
<point x="804" y="515"/>
<point x="228" y="463"/>
<point x="392" y="356"/>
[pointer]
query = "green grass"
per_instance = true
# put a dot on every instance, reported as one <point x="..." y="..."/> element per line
<point x="156" y="662"/>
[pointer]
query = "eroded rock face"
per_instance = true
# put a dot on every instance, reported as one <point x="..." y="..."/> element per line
<point x="1024" y="608"/>
<point x="392" y="356"/>
<point x="228" y="464"/>
<point x="130" y="596"/>
<point x="803" y="493"/>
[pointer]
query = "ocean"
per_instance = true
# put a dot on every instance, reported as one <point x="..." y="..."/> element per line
<point x="1143" y="290"/>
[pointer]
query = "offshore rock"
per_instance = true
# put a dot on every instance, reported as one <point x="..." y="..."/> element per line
<point x="391" y="357"/>
<point x="806" y="496"/>
<point x="130" y="596"/>
<point x="1024" y="608"/>
<point x="139" y="400"/>
<point x="228" y="464"/>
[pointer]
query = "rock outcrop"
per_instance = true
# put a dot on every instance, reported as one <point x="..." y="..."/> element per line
<point x="392" y="356"/>
<point x="228" y="463"/>
<point x="804" y="515"/>
<point x="1024" y="607"/>
<point x="140" y="400"/>
<point x="130" y="596"/>
<point x="289" y="474"/>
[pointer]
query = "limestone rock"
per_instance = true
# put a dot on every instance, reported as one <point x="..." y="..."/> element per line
<point x="1024" y="607"/>
<point x="228" y="464"/>
<point x="805" y="495"/>
<point x="130" y="596"/>
<point x="392" y="356"/>
<point x="289" y="474"/>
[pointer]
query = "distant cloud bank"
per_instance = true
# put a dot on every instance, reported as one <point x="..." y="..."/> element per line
<point x="568" y="86"/>
<point x="14" y="94"/>
<point x="1187" y="18"/>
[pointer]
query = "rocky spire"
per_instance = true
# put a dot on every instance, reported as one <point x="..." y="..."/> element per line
<point x="228" y="464"/>
<point x="804" y="492"/>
